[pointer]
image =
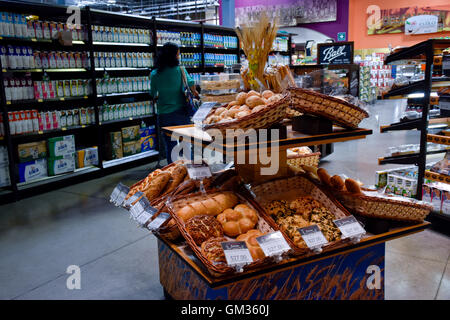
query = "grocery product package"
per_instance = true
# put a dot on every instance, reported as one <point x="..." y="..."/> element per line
<point x="87" y="157"/>
<point x="32" y="151"/>
<point x="132" y="147"/>
<point x="130" y="134"/>
<point x="32" y="170"/>
<point x="61" y="164"/>
<point x="60" y="146"/>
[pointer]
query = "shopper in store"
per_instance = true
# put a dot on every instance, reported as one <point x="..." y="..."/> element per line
<point x="167" y="89"/>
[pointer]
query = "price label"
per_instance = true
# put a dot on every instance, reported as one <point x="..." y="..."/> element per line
<point x="62" y="99"/>
<point x="40" y="100"/>
<point x="273" y="244"/>
<point x="313" y="237"/>
<point x="158" y="222"/>
<point x="131" y="200"/>
<point x="63" y="128"/>
<point x="119" y="193"/>
<point x="139" y="207"/>
<point x="8" y="102"/>
<point x="202" y="112"/>
<point x="198" y="171"/>
<point x="236" y="253"/>
<point x="350" y="227"/>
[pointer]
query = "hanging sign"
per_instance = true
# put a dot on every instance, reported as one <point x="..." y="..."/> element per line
<point x="335" y="53"/>
<point x="421" y="24"/>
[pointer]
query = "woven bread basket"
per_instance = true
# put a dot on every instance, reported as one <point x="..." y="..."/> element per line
<point x="309" y="159"/>
<point x="337" y="110"/>
<point x="297" y="186"/>
<point x="215" y="269"/>
<point x="382" y="208"/>
<point x="270" y="115"/>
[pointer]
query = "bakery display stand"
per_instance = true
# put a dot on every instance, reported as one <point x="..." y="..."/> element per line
<point x="430" y="83"/>
<point x="353" y="271"/>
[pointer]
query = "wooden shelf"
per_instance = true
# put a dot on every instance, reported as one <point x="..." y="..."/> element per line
<point x="435" y="138"/>
<point x="437" y="177"/>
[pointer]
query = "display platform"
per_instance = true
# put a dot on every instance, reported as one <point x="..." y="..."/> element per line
<point x="355" y="271"/>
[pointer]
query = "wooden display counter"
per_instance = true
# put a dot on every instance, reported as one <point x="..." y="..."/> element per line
<point x="355" y="271"/>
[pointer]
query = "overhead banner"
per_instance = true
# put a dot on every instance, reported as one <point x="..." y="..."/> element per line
<point x="408" y="20"/>
<point x="288" y="12"/>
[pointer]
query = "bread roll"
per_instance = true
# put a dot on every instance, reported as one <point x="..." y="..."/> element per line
<point x="258" y="108"/>
<point x="232" y="104"/>
<point x="241" y="97"/>
<point x="242" y="114"/>
<point x="254" y="101"/>
<point x="253" y="93"/>
<point x="267" y="94"/>
<point x="352" y="186"/>
<point x="219" y="111"/>
<point x="238" y="221"/>
<point x="253" y="245"/>
<point x="337" y="182"/>
<point x="324" y="176"/>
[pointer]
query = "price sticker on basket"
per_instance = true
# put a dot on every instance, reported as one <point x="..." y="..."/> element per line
<point x="142" y="205"/>
<point x="128" y="203"/>
<point x="202" y="112"/>
<point x="158" y="221"/>
<point x="198" y="171"/>
<point x="313" y="237"/>
<point x="236" y="253"/>
<point x="273" y="244"/>
<point x="349" y="227"/>
<point x="118" y="195"/>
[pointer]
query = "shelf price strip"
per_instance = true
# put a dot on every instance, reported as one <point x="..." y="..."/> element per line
<point x="128" y="203"/>
<point x="313" y="237"/>
<point x="237" y="254"/>
<point x="139" y="207"/>
<point x="118" y="195"/>
<point x="273" y="244"/>
<point x="350" y="227"/>
<point x="158" y="221"/>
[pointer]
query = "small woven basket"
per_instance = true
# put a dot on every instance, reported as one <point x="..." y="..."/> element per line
<point x="383" y="208"/>
<point x="337" y="110"/>
<point x="309" y="159"/>
<point x="215" y="269"/>
<point x="270" y="115"/>
<point x="298" y="186"/>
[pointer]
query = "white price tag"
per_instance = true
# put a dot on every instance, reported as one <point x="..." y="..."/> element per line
<point x="133" y="199"/>
<point x="159" y="220"/>
<point x="139" y="207"/>
<point x="202" y="112"/>
<point x="198" y="171"/>
<point x="119" y="193"/>
<point x="313" y="237"/>
<point x="273" y="244"/>
<point x="236" y="253"/>
<point x="349" y="227"/>
<point x="143" y="218"/>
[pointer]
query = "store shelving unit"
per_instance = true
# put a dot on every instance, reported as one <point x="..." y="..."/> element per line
<point x="95" y="133"/>
<point x="423" y="51"/>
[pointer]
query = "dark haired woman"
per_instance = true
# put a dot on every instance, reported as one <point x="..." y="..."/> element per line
<point x="167" y="87"/>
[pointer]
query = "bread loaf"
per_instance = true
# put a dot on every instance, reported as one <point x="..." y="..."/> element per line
<point x="253" y="245"/>
<point x="238" y="220"/>
<point x="352" y="186"/>
<point x="324" y="176"/>
<point x="157" y="185"/>
<point x="203" y="227"/>
<point x="337" y="182"/>
<point x="211" y="206"/>
<point x="178" y="174"/>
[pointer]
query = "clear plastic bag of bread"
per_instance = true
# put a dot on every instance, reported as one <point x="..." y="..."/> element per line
<point x="278" y="78"/>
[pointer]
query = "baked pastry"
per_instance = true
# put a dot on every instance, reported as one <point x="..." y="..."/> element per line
<point x="304" y="205"/>
<point x="213" y="251"/>
<point x="203" y="227"/>
<point x="211" y="206"/>
<point x="337" y="182"/>
<point x="290" y="226"/>
<point x="254" y="101"/>
<point x="324" y="176"/>
<point x="241" y="97"/>
<point x="157" y="185"/>
<point x="238" y="220"/>
<point x="278" y="209"/>
<point x="178" y="175"/>
<point x="324" y="219"/>
<point x="252" y="245"/>
<point x="352" y="186"/>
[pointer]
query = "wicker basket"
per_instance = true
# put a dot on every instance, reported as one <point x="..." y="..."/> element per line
<point x="297" y="186"/>
<point x="337" y="110"/>
<point x="219" y="269"/>
<point x="309" y="159"/>
<point x="272" y="114"/>
<point x="383" y="208"/>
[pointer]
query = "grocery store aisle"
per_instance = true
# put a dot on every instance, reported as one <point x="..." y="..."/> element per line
<point x="41" y="236"/>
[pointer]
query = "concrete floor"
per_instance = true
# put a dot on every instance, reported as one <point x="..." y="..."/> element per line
<point x="41" y="236"/>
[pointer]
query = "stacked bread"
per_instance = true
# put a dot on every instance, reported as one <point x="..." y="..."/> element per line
<point x="244" y="105"/>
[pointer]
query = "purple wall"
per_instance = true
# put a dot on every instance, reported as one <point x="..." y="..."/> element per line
<point x="328" y="28"/>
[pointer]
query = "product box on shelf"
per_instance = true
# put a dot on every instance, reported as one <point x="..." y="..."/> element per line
<point x="3" y="155"/>
<point x="61" y="164"/>
<point x="132" y="147"/>
<point x="29" y="171"/>
<point x="4" y="175"/>
<point x="32" y="151"/>
<point x="436" y="198"/>
<point x="115" y="145"/>
<point x="87" y="157"/>
<point x="445" y="205"/>
<point x="130" y="134"/>
<point x="60" y="146"/>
